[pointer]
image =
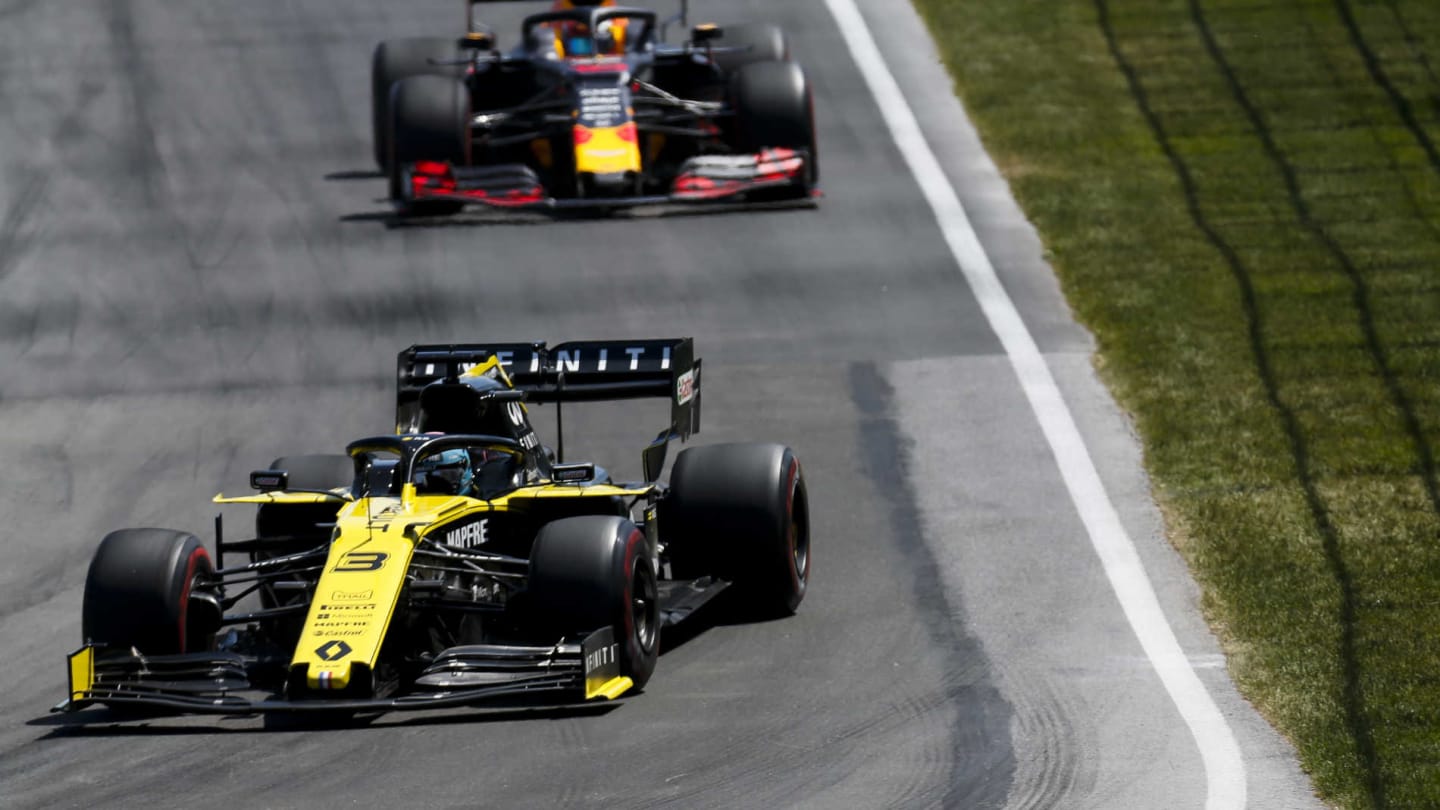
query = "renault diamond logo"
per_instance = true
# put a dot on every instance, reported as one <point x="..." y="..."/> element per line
<point x="333" y="650"/>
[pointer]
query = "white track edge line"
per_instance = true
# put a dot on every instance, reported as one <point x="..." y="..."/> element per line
<point x="1219" y="750"/>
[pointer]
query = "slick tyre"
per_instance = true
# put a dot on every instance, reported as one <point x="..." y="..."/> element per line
<point x="762" y="42"/>
<point x="589" y="572"/>
<point x="429" y="120"/>
<point x="741" y="512"/>
<point x="398" y="59"/>
<point x="774" y="108"/>
<point x="138" y="593"/>
<point x="306" y="524"/>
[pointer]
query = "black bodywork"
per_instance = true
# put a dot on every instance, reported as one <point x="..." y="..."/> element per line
<point x="677" y="102"/>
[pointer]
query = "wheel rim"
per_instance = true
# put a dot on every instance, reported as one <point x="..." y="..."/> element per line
<point x="798" y="532"/>
<point x="799" y="549"/>
<point x="644" y="605"/>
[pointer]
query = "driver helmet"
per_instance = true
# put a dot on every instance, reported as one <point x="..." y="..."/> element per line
<point x="575" y="39"/>
<point x="445" y="473"/>
<point x="610" y="37"/>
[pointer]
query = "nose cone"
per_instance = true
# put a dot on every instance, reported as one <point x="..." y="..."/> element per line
<point x="607" y="151"/>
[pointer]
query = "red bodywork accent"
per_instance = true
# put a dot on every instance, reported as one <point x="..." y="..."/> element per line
<point x="434" y="180"/>
<point x="625" y="132"/>
<point x="773" y="167"/>
<point x="598" y="67"/>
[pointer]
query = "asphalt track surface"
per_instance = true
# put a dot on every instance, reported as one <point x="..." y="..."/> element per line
<point x="197" y="274"/>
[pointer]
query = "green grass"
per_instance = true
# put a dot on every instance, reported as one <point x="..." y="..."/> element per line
<point x="1242" y="200"/>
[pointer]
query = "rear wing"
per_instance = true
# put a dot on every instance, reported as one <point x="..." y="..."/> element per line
<point x="578" y="371"/>
<point x="472" y="20"/>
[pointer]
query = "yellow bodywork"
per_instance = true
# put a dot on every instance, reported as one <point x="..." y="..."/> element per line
<point x="365" y="572"/>
<point x="611" y="689"/>
<point x="356" y="594"/>
<point x="280" y="497"/>
<point x="82" y="672"/>
<point x="607" y="150"/>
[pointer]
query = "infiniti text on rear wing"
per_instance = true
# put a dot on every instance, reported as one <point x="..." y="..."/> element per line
<point x="578" y="371"/>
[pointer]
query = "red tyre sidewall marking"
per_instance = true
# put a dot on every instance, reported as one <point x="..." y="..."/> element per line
<point x="184" y="607"/>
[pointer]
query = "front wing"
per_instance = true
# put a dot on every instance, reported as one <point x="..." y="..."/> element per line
<point x="708" y="178"/>
<point x="219" y="683"/>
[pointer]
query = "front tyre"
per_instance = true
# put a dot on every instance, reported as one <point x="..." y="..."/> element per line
<point x="741" y="512"/>
<point x="140" y="593"/>
<point x="429" y="120"/>
<point x="774" y="107"/>
<point x="591" y="572"/>
<point x="398" y="59"/>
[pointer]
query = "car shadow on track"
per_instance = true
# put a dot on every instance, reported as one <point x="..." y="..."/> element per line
<point x="480" y="216"/>
<point x="726" y="610"/>
<point x="103" y="722"/>
<point x="356" y="174"/>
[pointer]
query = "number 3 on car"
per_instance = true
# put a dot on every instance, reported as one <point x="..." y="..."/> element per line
<point x="361" y="561"/>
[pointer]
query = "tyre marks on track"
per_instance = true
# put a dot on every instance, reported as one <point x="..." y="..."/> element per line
<point x="42" y="478"/>
<point x="980" y="714"/>
<point x="34" y="183"/>
<point x="142" y="151"/>
<point x="840" y="769"/>
<point x="1050" y="775"/>
<point x="15" y="242"/>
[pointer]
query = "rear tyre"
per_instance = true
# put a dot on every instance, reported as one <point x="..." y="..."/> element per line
<point x="741" y="512"/>
<point x="764" y="43"/>
<point x="774" y="108"/>
<point x="429" y="120"/>
<point x="590" y="572"/>
<point x="398" y="59"/>
<point x="138" y="593"/>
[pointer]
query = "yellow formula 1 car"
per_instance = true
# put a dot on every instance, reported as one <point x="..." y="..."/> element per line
<point x="456" y="561"/>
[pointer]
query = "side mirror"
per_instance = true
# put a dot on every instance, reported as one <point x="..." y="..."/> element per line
<point x="572" y="473"/>
<point x="269" y="480"/>
<point x="705" y="32"/>
<point x="477" y="41"/>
